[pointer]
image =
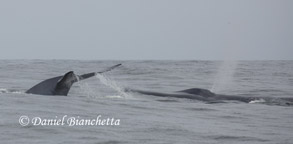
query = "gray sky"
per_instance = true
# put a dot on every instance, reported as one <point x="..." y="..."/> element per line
<point x="146" y="29"/>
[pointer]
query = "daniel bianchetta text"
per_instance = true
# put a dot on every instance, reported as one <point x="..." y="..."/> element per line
<point x="69" y="121"/>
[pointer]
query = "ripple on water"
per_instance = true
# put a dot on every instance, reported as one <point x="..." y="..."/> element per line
<point x="236" y="138"/>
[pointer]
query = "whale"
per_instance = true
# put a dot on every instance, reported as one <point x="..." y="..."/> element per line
<point x="192" y="93"/>
<point x="207" y="96"/>
<point x="60" y="85"/>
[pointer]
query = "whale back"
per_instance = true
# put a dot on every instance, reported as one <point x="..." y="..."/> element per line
<point x="199" y="91"/>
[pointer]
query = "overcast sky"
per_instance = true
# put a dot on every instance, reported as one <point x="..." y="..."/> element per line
<point x="146" y="29"/>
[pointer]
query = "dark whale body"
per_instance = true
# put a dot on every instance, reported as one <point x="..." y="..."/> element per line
<point x="208" y="96"/>
<point x="61" y="85"/>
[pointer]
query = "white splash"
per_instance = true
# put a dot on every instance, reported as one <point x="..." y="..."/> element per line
<point x="257" y="101"/>
<point x="224" y="77"/>
<point x="2" y="90"/>
<point x="114" y="96"/>
<point x="86" y="89"/>
<point x="17" y="92"/>
<point x="112" y="84"/>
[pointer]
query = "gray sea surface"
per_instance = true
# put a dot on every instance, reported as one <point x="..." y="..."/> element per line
<point x="141" y="118"/>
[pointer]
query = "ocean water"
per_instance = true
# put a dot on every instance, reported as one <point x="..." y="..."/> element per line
<point x="138" y="118"/>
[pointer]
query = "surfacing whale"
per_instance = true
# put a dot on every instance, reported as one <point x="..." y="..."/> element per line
<point x="210" y="97"/>
<point x="61" y="85"/>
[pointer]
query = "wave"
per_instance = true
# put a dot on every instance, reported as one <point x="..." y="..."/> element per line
<point x="4" y="90"/>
